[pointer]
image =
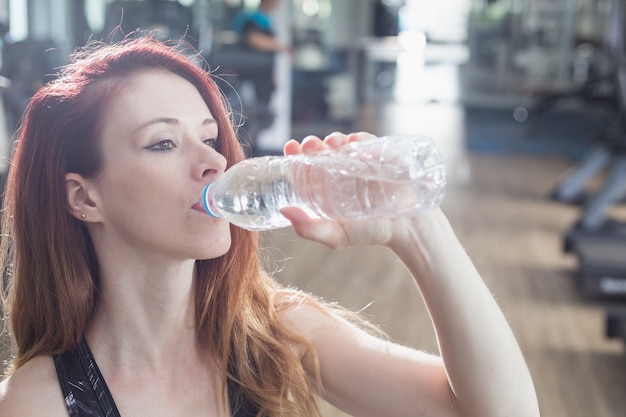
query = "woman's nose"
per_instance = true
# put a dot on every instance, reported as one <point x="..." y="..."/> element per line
<point x="210" y="163"/>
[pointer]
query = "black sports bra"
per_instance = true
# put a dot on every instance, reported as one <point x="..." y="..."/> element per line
<point x="87" y="395"/>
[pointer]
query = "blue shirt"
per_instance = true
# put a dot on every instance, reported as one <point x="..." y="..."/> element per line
<point x="259" y="20"/>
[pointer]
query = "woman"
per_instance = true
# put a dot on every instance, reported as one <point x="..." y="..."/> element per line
<point x="125" y="299"/>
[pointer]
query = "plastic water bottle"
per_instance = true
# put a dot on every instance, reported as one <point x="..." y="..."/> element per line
<point x="381" y="177"/>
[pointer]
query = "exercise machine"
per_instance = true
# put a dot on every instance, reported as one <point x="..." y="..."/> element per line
<point x="603" y="88"/>
<point x="597" y="241"/>
<point x="615" y="324"/>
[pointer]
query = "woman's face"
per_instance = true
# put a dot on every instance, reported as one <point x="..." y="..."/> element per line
<point x="158" y="142"/>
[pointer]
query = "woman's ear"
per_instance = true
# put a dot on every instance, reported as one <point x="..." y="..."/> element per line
<point x="79" y="202"/>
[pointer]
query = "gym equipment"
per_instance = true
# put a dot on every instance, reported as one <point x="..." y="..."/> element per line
<point x="608" y="144"/>
<point x="615" y="323"/>
<point x="601" y="254"/>
<point x="598" y="242"/>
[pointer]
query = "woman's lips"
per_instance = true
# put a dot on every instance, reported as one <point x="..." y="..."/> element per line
<point x="199" y="207"/>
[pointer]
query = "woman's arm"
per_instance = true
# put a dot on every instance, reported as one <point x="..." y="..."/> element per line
<point x="486" y="369"/>
<point x="481" y="371"/>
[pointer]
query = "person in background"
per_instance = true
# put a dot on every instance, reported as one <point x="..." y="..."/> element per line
<point x="255" y="63"/>
<point x="125" y="298"/>
<point x="256" y="34"/>
<point x="256" y="30"/>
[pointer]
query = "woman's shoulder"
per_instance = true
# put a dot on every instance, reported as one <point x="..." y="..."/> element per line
<point x="32" y="390"/>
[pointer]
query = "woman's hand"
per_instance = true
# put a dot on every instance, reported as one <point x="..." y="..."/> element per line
<point x="337" y="234"/>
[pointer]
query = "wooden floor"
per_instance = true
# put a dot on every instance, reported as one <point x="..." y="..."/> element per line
<point x="513" y="232"/>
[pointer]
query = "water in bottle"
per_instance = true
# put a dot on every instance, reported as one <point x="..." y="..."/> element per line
<point x="381" y="177"/>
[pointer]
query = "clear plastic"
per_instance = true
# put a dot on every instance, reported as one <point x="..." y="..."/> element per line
<point x="381" y="177"/>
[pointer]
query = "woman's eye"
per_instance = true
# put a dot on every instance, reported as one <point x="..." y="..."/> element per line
<point x="211" y="142"/>
<point x="164" y="145"/>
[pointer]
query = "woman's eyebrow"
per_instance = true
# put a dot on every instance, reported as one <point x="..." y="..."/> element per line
<point x="171" y="121"/>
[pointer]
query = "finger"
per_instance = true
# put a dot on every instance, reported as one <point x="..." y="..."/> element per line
<point x="336" y="139"/>
<point x="356" y="136"/>
<point x="292" y="147"/>
<point x="312" y="144"/>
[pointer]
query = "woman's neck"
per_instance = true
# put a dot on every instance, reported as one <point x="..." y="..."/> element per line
<point x="145" y="313"/>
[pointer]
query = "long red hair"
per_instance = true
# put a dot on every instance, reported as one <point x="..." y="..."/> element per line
<point x="49" y="261"/>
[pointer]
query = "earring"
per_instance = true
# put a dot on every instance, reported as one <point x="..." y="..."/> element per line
<point x="83" y="216"/>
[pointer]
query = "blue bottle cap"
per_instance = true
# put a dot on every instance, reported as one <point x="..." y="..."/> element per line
<point x="207" y="201"/>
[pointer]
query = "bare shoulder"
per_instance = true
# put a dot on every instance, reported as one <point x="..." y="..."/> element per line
<point x="32" y="390"/>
